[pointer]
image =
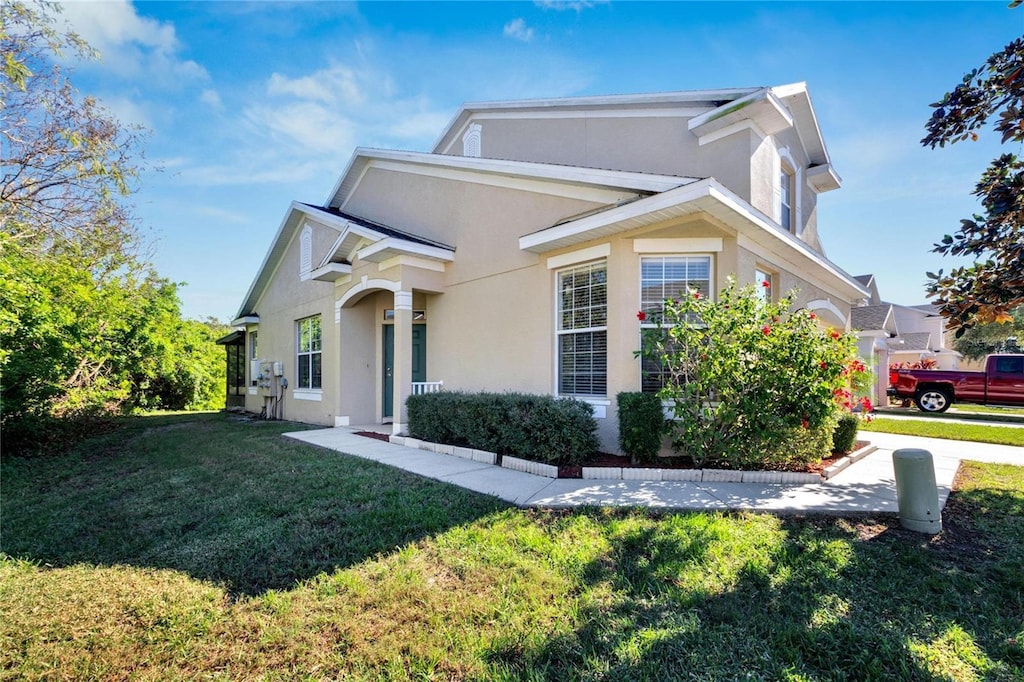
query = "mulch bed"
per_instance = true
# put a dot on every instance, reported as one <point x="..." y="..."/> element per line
<point x="604" y="459"/>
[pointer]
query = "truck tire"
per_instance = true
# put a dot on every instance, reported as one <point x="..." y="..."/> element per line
<point x="933" y="400"/>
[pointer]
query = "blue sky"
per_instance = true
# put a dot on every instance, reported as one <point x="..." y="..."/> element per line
<point x="251" y="105"/>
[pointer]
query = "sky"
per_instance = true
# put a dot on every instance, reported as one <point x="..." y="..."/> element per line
<point x="251" y="105"/>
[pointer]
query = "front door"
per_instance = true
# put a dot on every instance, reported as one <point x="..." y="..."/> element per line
<point x="419" y="363"/>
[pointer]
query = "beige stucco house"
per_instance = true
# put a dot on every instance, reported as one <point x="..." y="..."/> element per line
<point x="515" y="255"/>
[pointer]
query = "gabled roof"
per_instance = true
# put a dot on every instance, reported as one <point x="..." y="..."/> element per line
<point x="913" y="342"/>
<point x="357" y="237"/>
<point x="774" y="108"/>
<point x="441" y="164"/>
<point x="873" y="318"/>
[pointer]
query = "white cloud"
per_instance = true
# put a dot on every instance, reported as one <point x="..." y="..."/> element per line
<point x="335" y="84"/>
<point x="130" y="45"/>
<point x="518" y="30"/>
<point x="576" y="5"/>
<point x="211" y="98"/>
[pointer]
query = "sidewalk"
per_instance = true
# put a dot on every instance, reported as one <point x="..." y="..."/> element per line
<point x="868" y="486"/>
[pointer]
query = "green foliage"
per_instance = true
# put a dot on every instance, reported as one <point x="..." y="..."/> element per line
<point x="540" y="428"/>
<point x="987" y="290"/>
<point x="752" y="384"/>
<point x="641" y="425"/>
<point x="845" y="433"/>
<point x="994" y="337"/>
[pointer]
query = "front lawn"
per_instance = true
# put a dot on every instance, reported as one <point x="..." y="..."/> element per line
<point x="935" y="428"/>
<point x="200" y="547"/>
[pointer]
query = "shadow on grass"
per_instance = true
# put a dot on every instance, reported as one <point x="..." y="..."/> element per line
<point x="221" y="499"/>
<point x="814" y="598"/>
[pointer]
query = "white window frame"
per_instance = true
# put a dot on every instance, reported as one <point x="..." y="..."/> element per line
<point x="761" y="275"/>
<point x="253" y="355"/>
<point x="640" y="289"/>
<point x="560" y="332"/>
<point x="306" y="383"/>
<point x="789" y="168"/>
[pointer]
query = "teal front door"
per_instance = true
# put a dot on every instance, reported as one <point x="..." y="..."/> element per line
<point x="419" y="363"/>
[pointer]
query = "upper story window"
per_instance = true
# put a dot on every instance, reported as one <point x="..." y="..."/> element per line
<point x="254" y="354"/>
<point x="471" y="141"/>
<point x="582" y="333"/>
<point x="310" y="346"/>
<point x="786" y="184"/>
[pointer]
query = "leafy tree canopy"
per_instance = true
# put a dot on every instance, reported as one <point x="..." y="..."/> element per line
<point x="994" y="337"/>
<point x="990" y="288"/>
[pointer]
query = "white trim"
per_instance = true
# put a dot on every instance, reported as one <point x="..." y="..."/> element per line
<point x="796" y="201"/>
<point x="500" y="172"/>
<point x="331" y="272"/>
<point x="305" y="252"/>
<point x="472" y="141"/>
<point x="313" y="394"/>
<point x="342" y="421"/>
<point x="366" y="284"/>
<point x="403" y="300"/>
<point x="580" y="256"/>
<point x="245" y="319"/>
<point x="411" y="261"/>
<point x="732" y="129"/>
<point x="823" y="178"/>
<point x="388" y="244"/>
<point x="682" y="246"/>
<point x="600" y="406"/>
<point x="823" y="304"/>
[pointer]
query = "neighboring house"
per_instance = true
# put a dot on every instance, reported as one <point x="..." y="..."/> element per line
<point x="889" y="333"/>
<point x="515" y="255"/>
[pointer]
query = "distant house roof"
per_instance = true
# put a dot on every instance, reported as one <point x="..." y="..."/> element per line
<point x="912" y="342"/>
<point x="929" y="308"/>
<point x="872" y="317"/>
<point x="864" y="279"/>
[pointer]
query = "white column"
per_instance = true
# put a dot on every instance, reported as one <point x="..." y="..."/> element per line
<point x="402" y="360"/>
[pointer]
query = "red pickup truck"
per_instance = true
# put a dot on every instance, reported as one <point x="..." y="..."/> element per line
<point x="934" y="390"/>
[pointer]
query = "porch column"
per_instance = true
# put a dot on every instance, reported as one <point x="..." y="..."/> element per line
<point x="402" y="360"/>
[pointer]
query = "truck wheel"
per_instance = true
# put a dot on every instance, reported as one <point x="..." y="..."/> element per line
<point x="933" y="400"/>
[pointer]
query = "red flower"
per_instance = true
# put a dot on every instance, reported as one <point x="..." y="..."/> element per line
<point x="696" y="295"/>
<point x="803" y="422"/>
<point x="834" y="334"/>
<point x="813" y="316"/>
<point x="766" y="284"/>
<point x="766" y="330"/>
<point x="823" y="364"/>
<point x="866" y="404"/>
<point x="641" y="316"/>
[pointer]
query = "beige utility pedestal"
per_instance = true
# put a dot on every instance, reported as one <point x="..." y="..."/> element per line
<point x="916" y="492"/>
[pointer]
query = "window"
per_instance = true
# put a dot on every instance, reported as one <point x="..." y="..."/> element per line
<point x="661" y="278"/>
<point x="309" y="344"/>
<point x="254" y="353"/>
<point x="583" y="330"/>
<point x="764" y="285"/>
<point x="786" y="186"/>
<point x="1010" y="365"/>
<point x="664" y="277"/>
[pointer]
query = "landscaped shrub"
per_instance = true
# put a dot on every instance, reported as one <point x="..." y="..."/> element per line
<point x="641" y="425"/>
<point x="540" y="428"/>
<point x="845" y="434"/>
<point x="752" y="384"/>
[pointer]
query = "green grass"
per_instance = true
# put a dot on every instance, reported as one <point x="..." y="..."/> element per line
<point x="934" y="428"/>
<point x="187" y="548"/>
<point x="987" y="409"/>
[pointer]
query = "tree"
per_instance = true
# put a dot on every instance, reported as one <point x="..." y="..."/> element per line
<point x="67" y="162"/>
<point x="993" y="337"/>
<point x="987" y="290"/>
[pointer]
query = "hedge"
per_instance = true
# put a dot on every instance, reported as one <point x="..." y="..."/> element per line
<point x="641" y="425"/>
<point x="540" y="428"/>
<point x="845" y="434"/>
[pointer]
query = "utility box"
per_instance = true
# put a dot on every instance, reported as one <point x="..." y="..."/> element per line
<point x="916" y="492"/>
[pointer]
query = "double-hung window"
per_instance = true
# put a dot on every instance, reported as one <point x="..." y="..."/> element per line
<point x="583" y="330"/>
<point x="662" y="278"/>
<point x="764" y="285"/>
<point x="786" y="188"/>
<point x="309" y="351"/>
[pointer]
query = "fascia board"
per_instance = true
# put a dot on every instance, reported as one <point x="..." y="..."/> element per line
<point x="762" y="107"/>
<point x="646" y="182"/>
<point x="823" y="178"/>
<point x="372" y="252"/>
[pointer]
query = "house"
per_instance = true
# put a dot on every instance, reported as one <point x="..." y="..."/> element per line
<point x="889" y="334"/>
<point x="515" y="255"/>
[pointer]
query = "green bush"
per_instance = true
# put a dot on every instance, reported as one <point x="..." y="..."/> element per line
<point x="641" y="425"/>
<point x="845" y="434"/>
<point x="540" y="428"/>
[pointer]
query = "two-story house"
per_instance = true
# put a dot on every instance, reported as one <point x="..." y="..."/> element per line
<point x="516" y="254"/>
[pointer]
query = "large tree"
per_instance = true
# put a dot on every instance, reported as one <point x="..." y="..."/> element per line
<point x="990" y="288"/>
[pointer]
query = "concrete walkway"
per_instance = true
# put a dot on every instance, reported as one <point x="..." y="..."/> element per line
<point x="867" y="486"/>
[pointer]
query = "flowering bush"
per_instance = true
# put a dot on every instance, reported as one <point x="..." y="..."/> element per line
<point x="751" y="383"/>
